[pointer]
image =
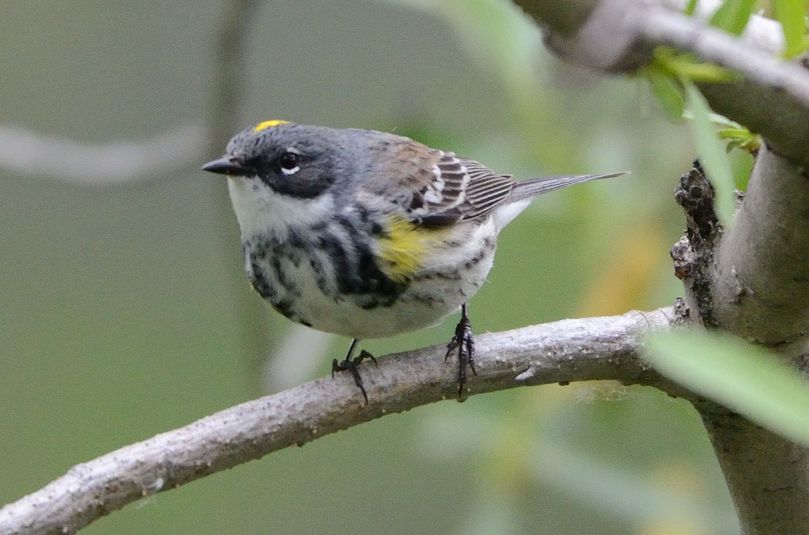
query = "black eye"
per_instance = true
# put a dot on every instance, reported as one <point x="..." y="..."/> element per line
<point x="289" y="161"/>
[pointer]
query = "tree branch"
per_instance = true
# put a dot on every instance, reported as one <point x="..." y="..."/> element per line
<point x="227" y="93"/>
<point x="130" y="162"/>
<point x="111" y="164"/>
<point x="761" y="278"/>
<point x="760" y="291"/>
<point x="751" y="279"/>
<point x="752" y="282"/>
<point x="771" y="97"/>
<point x="568" y="350"/>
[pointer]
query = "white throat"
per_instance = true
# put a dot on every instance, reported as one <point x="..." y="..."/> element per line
<point x="261" y="211"/>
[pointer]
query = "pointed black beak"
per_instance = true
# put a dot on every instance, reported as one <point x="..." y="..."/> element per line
<point x="225" y="166"/>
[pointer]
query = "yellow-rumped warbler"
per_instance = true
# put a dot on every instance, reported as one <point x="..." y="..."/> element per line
<point x="368" y="234"/>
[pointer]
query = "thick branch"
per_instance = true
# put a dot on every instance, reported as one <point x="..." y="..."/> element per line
<point x="753" y="280"/>
<point x="760" y="291"/>
<point x="568" y="350"/>
<point x="761" y="278"/>
<point x="767" y="474"/>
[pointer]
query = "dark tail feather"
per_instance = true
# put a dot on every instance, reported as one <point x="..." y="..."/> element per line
<point x="538" y="186"/>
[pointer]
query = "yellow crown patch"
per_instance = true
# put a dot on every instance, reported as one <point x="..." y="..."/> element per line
<point x="268" y="124"/>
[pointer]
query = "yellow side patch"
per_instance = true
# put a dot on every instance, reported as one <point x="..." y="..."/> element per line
<point x="405" y="248"/>
<point x="268" y="124"/>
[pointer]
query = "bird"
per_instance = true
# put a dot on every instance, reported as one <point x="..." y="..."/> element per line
<point x="369" y="234"/>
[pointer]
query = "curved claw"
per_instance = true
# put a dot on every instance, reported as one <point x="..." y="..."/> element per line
<point x="463" y="342"/>
<point x="352" y="364"/>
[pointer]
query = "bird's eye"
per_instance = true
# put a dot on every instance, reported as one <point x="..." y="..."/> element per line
<point x="289" y="162"/>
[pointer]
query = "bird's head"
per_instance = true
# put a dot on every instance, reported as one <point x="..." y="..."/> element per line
<point x="289" y="159"/>
<point x="282" y="176"/>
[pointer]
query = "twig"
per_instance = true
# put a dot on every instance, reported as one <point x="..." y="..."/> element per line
<point x="762" y="33"/>
<point x="226" y="97"/>
<point x="123" y="162"/>
<point x="24" y="151"/>
<point x="568" y="350"/>
<point x="661" y="26"/>
<point x="229" y="79"/>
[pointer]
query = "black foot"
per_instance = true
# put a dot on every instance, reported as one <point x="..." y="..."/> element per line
<point x="352" y="364"/>
<point x="463" y="343"/>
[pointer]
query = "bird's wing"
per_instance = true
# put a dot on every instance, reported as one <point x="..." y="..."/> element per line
<point x="424" y="193"/>
<point x="486" y="189"/>
<point x="446" y="189"/>
<point x="429" y="187"/>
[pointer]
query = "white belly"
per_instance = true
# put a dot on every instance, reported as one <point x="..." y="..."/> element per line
<point x="303" y="290"/>
<point x="423" y="304"/>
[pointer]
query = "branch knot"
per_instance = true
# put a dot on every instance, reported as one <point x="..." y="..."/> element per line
<point x="693" y="254"/>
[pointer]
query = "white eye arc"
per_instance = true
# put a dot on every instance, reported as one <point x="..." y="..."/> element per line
<point x="291" y="171"/>
<point x="289" y="162"/>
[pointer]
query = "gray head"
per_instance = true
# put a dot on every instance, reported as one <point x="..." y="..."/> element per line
<point x="295" y="160"/>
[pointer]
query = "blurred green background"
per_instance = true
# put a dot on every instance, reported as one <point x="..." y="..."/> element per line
<point x="125" y="311"/>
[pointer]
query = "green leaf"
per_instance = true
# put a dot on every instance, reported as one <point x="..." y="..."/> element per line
<point x="712" y="154"/>
<point x="685" y="66"/>
<point x="746" y="378"/>
<point x="704" y="72"/>
<point x="690" y="7"/>
<point x="732" y="16"/>
<point x="792" y="15"/>
<point x="740" y="138"/>
<point x="668" y="92"/>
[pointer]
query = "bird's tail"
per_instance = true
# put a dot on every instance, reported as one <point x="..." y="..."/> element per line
<point x="537" y="186"/>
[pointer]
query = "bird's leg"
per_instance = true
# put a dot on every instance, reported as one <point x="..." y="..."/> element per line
<point x="351" y="365"/>
<point x="463" y="343"/>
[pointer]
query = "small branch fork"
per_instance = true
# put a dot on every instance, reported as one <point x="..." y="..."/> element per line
<point x="560" y="352"/>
